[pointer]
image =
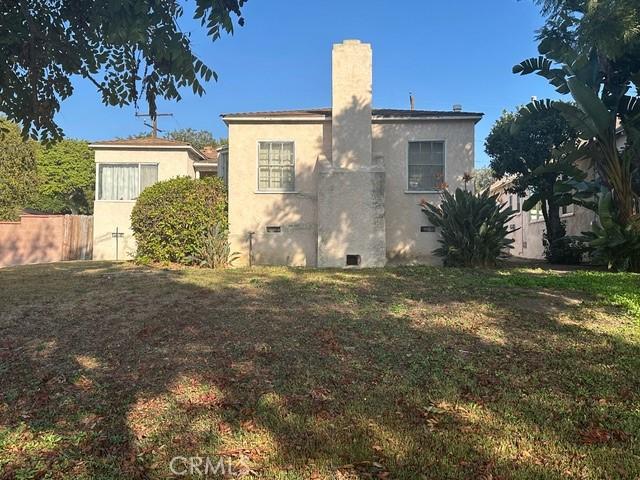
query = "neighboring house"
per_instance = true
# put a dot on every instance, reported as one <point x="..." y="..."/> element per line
<point x="530" y="225"/>
<point x="340" y="186"/>
<point x="123" y="169"/>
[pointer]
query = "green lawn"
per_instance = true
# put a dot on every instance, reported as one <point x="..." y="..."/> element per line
<point x="110" y="370"/>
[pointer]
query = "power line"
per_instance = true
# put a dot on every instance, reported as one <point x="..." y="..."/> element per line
<point x="154" y="128"/>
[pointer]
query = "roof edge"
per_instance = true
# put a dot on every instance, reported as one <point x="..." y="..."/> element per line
<point x="121" y="146"/>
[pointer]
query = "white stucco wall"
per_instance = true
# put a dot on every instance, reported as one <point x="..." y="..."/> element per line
<point x="109" y="214"/>
<point x="405" y="242"/>
<point x="295" y="213"/>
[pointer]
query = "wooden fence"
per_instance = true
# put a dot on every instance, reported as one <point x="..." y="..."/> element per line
<point x="46" y="238"/>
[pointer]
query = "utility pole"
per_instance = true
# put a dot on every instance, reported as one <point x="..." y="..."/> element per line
<point x="154" y="120"/>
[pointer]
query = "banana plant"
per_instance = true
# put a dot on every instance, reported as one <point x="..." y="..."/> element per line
<point x="598" y="106"/>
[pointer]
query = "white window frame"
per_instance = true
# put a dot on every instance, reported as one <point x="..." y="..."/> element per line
<point x="275" y="190"/>
<point x="406" y="164"/>
<point x="539" y="216"/>
<point x="120" y="164"/>
<point x="571" y="209"/>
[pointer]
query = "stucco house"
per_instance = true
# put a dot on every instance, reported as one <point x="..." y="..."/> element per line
<point x="528" y="238"/>
<point x="123" y="169"/>
<point x="340" y="186"/>
<point x="528" y="228"/>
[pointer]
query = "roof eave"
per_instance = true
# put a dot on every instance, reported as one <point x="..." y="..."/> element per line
<point x="112" y="146"/>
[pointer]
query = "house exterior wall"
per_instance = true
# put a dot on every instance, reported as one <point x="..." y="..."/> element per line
<point x="404" y="241"/>
<point x="111" y="214"/>
<point x="295" y="212"/>
<point x="530" y="231"/>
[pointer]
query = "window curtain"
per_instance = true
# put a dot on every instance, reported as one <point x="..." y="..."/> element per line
<point x="148" y="175"/>
<point x="118" y="182"/>
<point x="276" y="166"/>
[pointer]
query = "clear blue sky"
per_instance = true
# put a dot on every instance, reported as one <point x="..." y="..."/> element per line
<point x="446" y="52"/>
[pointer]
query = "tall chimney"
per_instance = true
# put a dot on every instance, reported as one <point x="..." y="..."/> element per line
<point x="350" y="201"/>
<point x="412" y="101"/>
<point x="351" y="109"/>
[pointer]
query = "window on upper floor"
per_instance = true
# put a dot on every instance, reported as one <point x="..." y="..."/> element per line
<point x="535" y="214"/>
<point x="425" y="166"/>
<point x="567" y="209"/>
<point x="276" y="166"/>
<point x="124" y="181"/>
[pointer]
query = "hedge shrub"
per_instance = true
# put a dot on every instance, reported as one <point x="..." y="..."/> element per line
<point x="170" y="219"/>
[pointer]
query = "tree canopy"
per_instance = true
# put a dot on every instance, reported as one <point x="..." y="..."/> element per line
<point x="529" y="149"/>
<point x="66" y="172"/>
<point x="18" y="177"/>
<point x="128" y="50"/>
<point x="197" y="138"/>
<point x="590" y="49"/>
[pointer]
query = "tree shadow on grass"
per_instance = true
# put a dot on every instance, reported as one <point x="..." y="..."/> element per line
<point x="111" y="370"/>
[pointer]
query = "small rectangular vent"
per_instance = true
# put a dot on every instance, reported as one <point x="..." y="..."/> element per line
<point x="427" y="229"/>
<point x="274" y="229"/>
<point x="353" y="260"/>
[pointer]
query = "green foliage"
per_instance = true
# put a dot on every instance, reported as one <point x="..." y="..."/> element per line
<point x="615" y="245"/>
<point x="67" y="174"/>
<point x="215" y="250"/>
<point x="591" y="50"/>
<point x="171" y="219"/>
<point x="18" y="177"/>
<point x="197" y="138"/>
<point x="483" y="178"/>
<point x="563" y="250"/>
<point x="532" y="151"/>
<point x="473" y="228"/>
<point x="128" y="50"/>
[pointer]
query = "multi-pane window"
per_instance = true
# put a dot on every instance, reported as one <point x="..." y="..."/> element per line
<point x="125" y="181"/>
<point x="535" y="214"/>
<point x="425" y="166"/>
<point x="276" y="166"/>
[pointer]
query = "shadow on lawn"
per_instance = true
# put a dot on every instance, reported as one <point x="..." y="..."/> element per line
<point x="302" y="372"/>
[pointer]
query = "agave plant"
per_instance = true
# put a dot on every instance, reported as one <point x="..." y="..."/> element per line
<point x="215" y="251"/>
<point x="473" y="228"/>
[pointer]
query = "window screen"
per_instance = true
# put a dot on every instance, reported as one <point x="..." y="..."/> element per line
<point x="425" y="166"/>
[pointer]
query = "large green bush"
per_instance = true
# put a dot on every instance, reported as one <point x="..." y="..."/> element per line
<point x="473" y="228"/>
<point x="171" y="219"/>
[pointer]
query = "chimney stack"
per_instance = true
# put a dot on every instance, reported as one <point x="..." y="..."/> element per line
<point x="352" y="80"/>
<point x="457" y="107"/>
<point x="412" y="101"/>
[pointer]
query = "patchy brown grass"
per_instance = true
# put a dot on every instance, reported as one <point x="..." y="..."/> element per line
<point x="110" y="370"/>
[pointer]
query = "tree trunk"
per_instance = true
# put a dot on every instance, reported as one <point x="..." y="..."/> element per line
<point x="552" y="222"/>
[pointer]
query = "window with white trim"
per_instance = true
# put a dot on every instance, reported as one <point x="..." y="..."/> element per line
<point x="276" y="166"/>
<point x="425" y="166"/>
<point x="535" y="214"/>
<point x="124" y="181"/>
<point x="567" y="209"/>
